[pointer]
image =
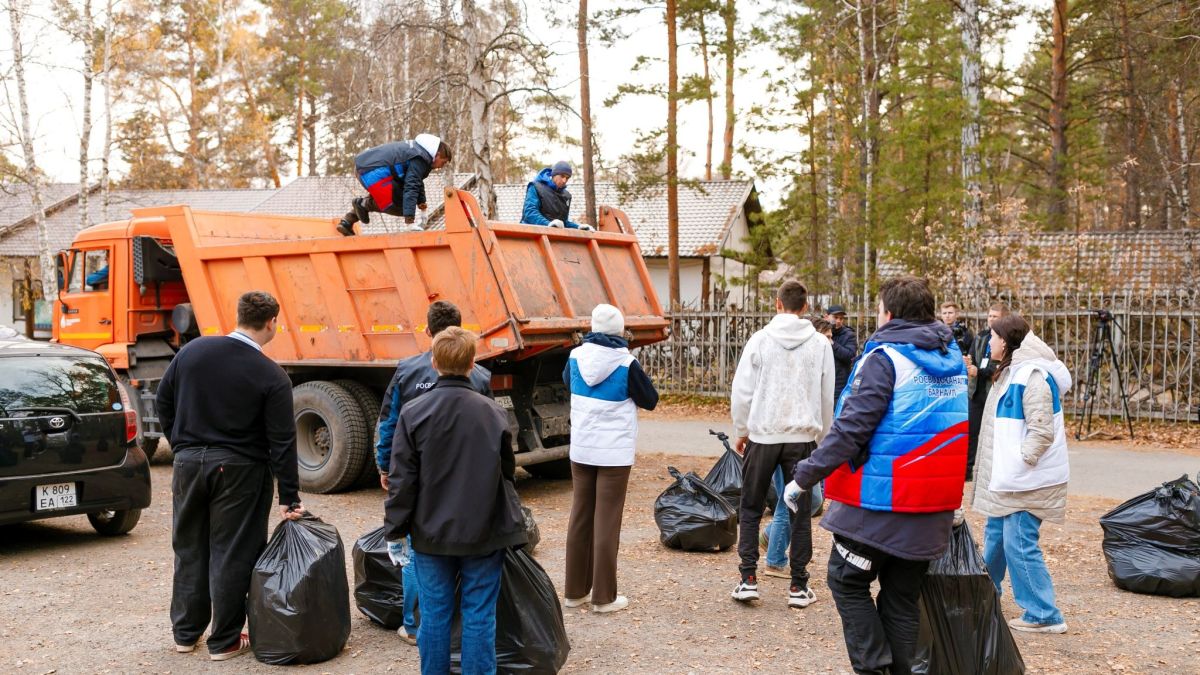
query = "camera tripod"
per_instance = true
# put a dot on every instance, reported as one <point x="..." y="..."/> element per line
<point x="1102" y="351"/>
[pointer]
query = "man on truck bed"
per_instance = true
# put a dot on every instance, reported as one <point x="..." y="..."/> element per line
<point x="547" y="200"/>
<point x="394" y="176"/>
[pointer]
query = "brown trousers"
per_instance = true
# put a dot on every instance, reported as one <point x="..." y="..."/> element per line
<point x="594" y="532"/>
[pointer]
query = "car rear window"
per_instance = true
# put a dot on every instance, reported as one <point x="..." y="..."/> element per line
<point x="85" y="385"/>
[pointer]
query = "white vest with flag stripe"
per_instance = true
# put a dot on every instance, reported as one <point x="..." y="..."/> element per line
<point x="1010" y="473"/>
<point x="604" y="424"/>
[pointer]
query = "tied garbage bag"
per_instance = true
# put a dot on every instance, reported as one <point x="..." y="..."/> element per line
<point x="692" y="516"/>
<point x="726" y="475"/>
<point x="299" y="608"/>
<point x="962" y="629"/>
<point x="378" y="586"/>
<point x="531" y="637"/>
<point x="532" y="533"/>
<point x="1152" y="542"/>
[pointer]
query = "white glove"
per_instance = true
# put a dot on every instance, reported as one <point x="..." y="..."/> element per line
<point x="556" y="223"/>
<point x="400" y="552"/>
<point x="587" y="228"/>
<point x="791" y="495"/>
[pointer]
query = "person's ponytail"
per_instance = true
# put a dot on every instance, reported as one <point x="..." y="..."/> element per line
<point x="1011" y="328"/>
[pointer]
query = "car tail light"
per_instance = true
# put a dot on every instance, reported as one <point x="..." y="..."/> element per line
<point x="131" y="424"/>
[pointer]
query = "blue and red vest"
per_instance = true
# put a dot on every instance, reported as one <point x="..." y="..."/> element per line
<point x="918" y="456"/>
<point x="381" y="181"/>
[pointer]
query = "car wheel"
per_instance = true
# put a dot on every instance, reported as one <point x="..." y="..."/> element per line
<point x="370" y="402"/>
<point x="112" y="523"/>
<point x="332" y="439"/>
<point x="558" y="469"/>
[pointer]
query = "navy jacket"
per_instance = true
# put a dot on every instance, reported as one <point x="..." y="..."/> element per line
<point x="414" y="376"/>
<point x="913" y="536"/>
<point x="845" y="348"/>
<point x="415" y="166"/>
<point x="534" y="212"/>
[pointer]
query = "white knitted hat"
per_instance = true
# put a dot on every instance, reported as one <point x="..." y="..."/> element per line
<point x="608" y="319"/>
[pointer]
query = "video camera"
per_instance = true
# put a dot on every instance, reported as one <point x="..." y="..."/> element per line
<point x="1102" y="314"/>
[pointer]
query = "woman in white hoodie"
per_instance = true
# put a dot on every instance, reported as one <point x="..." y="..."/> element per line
<point x="1022" y="469"/>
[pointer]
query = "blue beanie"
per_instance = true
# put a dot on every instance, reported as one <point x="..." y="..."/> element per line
<point x="560" y="169"/>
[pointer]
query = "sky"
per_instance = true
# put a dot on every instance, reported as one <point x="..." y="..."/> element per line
<point x="55" y="91"/>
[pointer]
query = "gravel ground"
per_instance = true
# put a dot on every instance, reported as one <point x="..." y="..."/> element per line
<point x="77" y="603"/>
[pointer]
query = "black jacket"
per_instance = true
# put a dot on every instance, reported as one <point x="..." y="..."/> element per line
<point x="962" y="335"/>
<point x="417" y="165"/>
<point x="913" y="536"/>
<point x="981" y="384"/>
<point x="450" y="485"/>
<point x="221" y="392"/>
<point x="845" y="347"/>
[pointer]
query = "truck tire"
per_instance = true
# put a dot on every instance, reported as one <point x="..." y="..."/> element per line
<point x="370" y="403"/>
<point x="112" y="523"/>
<point x="332" y="440"/>
<point x="149" y="446"/>
<point x="557" y="469"/>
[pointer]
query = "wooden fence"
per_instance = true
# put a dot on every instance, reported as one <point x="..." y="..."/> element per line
<point x="1154" y="336"/>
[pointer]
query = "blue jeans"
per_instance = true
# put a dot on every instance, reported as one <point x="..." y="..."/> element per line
<point x="1011" y="543"/>
<point x="408" y="574"/>
<point x="479" y="577"/>
<point x="779" y="531"/>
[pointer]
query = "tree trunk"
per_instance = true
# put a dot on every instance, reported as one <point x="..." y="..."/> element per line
<point x="708" y="95"/>
<point x="814" y="223"/>
<point x="193" y="114"/>
<point x="1185" y="153"/>
<point x="831" y="194"/>
<point x="268" y="148"/>
<point x="300" y="121"/>
<point x="105" y="178"/>
<point x="311" y="128"/>
<point x="87" y="34"/>
<point x="220" y="122"/>
<point x="973" y="191"/>
<point x="867" y="75"/>
<point x="672" y="156"/>
<point x="585" y="115"/>
<point x="45" y="260"/>
<point x="477" y="78"/>
<point x="1058" y="116"/>
<point x="1131" y="202"/>
<point x="730" y="52"/>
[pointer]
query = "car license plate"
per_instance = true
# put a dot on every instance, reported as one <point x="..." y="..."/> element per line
<point x="505" y="401"/>
<point x="56" y="496"/>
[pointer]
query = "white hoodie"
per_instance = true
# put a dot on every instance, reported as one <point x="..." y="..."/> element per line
<point x="783" y="388"/>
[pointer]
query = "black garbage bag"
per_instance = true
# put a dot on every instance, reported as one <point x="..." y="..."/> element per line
<point x="299" y="607"/>
<point x="692" y="516"/>
<point x="531" y="637"/>
<point x="726" y="477"/>
<point x="962" y="628"/>
<point x="1152" y="542"/>
<point x="531" y="529"/>
<point x="378" y="584"/>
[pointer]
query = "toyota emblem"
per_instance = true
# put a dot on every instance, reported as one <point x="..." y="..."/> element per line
<point x="57" y="423"/>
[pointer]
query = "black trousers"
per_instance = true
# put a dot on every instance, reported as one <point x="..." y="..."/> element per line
<point x="758" y="469"/>
<point x="880" y="634"/>
<point x="974" y="421"/>
<point x="221" y="501"/>
<point x="369" y="204"/>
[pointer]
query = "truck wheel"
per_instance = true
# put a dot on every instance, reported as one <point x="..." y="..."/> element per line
<point x="332" y="441"/>
<point x="112" y="523"/>
<point x="149" y="446"/>
<point x="557" y="469"/>
<point x="370" y="403"/>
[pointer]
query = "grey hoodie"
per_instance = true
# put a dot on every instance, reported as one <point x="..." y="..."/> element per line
<point x="783" y="388"/>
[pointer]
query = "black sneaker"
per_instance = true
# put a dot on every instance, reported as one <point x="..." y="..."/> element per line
<point x="361" y="211"/>
<point x="799" y="596"/>
<point x="345" y="228"/>
<point x="747" y="590"/>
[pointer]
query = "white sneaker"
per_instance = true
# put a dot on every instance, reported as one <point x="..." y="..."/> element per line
<point x="800" y="597"/>
<point x="577" y="602"/>
<point x="615" y="606"/>
<point x="1025" y="626"/>
<point x="406" y="636"/>
<point x="746" y="591"/>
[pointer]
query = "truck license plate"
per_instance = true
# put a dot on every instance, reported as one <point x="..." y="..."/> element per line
<point x="56" y="496"/>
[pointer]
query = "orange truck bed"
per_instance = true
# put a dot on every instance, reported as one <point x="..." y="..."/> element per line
<point x="351" y="307"/>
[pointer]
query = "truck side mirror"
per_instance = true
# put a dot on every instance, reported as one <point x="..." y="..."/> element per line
<point x="60" y="270"/>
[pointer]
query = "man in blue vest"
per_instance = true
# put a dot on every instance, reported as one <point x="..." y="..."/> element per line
<point x="394" y="175"/>
<point x="894" y="464"/>
<point x="547" y="199"/>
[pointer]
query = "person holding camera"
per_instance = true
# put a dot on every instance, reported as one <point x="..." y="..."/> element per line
<point x="962" y="334"/>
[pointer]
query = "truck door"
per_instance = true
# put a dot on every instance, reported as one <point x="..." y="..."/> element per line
<point x="86" y="302"/>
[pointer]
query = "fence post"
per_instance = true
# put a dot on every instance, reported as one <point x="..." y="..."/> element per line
<point x="723" y="346"/>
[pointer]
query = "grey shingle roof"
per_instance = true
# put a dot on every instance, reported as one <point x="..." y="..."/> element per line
<point x="64" y="223"/>
<point x="706" y="212"/>
<point x="16" y="201"/>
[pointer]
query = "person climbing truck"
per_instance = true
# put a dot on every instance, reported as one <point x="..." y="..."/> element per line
<point x="394" y="175"/>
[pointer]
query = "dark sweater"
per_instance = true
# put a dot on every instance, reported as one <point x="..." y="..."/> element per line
<point x="223" y="393"/>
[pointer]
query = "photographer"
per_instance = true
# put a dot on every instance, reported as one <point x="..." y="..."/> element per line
<point x="962" y="334"/>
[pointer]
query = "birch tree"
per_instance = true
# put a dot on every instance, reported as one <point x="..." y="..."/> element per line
<point x="973" y="191"/>
<point x="672" y="155"/>
<point x="585" y="117"/>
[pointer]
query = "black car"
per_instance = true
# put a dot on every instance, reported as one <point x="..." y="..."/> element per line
<point x="68" y="439"/>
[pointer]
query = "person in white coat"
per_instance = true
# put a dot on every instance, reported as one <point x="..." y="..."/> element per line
<point x="1022" y="468"/>
<point x="607" y="386"/>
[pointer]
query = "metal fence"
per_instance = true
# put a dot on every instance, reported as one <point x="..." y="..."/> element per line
<point x="1154" y="336"/>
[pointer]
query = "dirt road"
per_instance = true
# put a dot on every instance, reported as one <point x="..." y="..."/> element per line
<point x="72" y="602"/>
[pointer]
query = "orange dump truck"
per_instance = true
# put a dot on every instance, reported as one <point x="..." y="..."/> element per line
<point x="351" y="307"/>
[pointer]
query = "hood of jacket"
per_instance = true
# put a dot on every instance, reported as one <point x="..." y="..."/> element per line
<point x="544" y="178"/>
<point x="929" y="344"/>
<point x="598" y="356"/>
<point x="429" y="143"/>
<point x="789" y="330"/>
<point x="1035" y="350"/>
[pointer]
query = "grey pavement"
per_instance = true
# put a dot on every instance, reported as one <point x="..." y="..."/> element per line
<point x="1097" y="469"/>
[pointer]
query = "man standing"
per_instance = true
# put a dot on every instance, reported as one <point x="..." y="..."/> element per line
<point x="845" y="346"/>
<point x="962" y="334"/>
<point x="394" y="175"/>
<point x="547" y="199"/>
<point x="980" y="368"/>
<point x="226" y="409"/>
<point x="782" y="404"/>
<point x="893" y="469"/>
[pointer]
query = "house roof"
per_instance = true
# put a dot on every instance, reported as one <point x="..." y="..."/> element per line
<point x="16" y="200"/>
<point x="707" y="212"/>
<point x="20" y="238"/>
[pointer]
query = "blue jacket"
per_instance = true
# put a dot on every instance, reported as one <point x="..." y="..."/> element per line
<point x="531" y="213"/>
<point x="406" y="159"/>
<point x="913" y="536"/>
<point x="414" y="376"/>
